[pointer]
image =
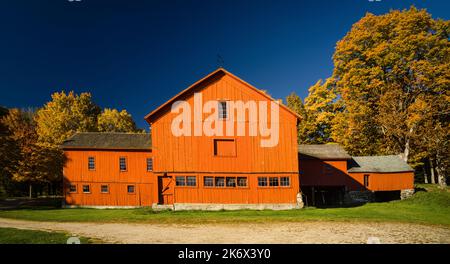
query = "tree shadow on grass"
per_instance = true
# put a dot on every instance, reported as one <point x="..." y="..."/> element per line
<point x="30" y="204"/>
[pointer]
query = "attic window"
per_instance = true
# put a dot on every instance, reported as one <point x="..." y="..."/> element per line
<point x="91" y="163"/>
<point x="223" y="114"/>
<point x="123" y="164"/>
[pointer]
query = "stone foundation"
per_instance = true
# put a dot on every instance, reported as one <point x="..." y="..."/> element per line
<point x="406" y="193"/>
<point x="103" y="206"/>
<point x="300" y="203"/>
<point x="218" y="207"/>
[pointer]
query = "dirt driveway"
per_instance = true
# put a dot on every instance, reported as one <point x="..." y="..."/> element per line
<point x="301" y="232"/>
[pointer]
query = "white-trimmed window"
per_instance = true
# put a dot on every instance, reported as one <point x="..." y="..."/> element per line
<point x="219" y="182"/>
<point x="231" y="181"/>
<point x="273" y="182"/>
<point x="191" y="181"/>
<point x="208" y="181"/>
<point x="262" y="181"/>
<point x="180" y="181"/>
<point x="285" y="181"/>
<point x="242" y="181"/>
<point x="104" y="188"/>
<point x="86" y="188"/>
<point x="123" y="163"/>
<point x="72" y="188"/>
<point x="91" y="163"/>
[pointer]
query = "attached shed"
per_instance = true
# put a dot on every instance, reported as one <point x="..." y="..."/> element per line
<point x="330" y="176"/>
<point x="323" y="173"/>
<point x="382" y="173"/>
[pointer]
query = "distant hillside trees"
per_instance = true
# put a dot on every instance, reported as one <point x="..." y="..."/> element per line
<point x="391" y="91"/>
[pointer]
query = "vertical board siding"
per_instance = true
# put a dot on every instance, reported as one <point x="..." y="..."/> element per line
<point x="107" y="172"/>
<point x="313" y="173"/>
<point x="194" y="155"/>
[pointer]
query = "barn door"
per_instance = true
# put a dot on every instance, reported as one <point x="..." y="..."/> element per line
<point x="165" y="190"/>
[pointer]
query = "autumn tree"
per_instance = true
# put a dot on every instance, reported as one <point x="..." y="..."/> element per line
<point x="64" y="115"/>
<point x="6" y="154"/>
<point x="111" y="120"/>
<point x="294" y="102"/>
<point x="317" y="112"/>
<point x="320" y="109"/>
<point x="392" y="75"/>
<point x="28" y="160"/>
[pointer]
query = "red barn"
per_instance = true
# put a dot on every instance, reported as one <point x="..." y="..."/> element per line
<point x="183" y="166"/>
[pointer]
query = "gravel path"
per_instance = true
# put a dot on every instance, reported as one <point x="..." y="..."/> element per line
<point x="301" y="232"/>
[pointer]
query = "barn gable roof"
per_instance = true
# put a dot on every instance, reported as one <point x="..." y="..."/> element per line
<point x="323" y="151"/>
<point x="218" y="72"/>
<point x="388" y="163"/>
<point x="117" y="141"/>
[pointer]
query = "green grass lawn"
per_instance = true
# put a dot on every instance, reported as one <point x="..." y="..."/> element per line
<point x="20" y="236"/>
<point x="426" y="207"/>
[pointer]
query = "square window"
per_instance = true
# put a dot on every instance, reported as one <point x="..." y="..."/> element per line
<point x="231" y="182"/>
<point x="149" y="164"/>
<point x="262" y="181"/>
<point x="208" y="181"/>
<point x="191" y="181"/>
<point x="273" y="181"/>
<point x="104" y="189"/>
<point x="73" y="188"/>
<point x="91" y="163"/>
<point x="219" y="181"/>
<point x="225" y="147"/>
<point x="242" y="181"/>
<point x="86" y="189"/>
<point x="130" y="188"/>
<point x="123" y="163"/>
<point x="180" y="181"/>
<point x="285" y="181"/>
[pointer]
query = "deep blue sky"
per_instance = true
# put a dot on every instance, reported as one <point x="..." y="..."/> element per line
<point x="136" y="54"/>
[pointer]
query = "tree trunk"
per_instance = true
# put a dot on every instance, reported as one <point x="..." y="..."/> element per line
<point x="30" y="191"/>
<point x="425" y="176"/>
<point x="406" y="151"/>
<point x="433" y="180"/>
<point x="440" y="170"/>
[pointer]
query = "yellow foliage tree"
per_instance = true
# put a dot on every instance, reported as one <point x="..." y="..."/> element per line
<point x="111" y="120"/>
<point x="64" y="115"/>
<point x="392" y="76"/>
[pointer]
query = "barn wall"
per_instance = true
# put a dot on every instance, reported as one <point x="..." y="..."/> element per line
<point x="313" y="172"/>
<point x="252" y="194"/>
<point x="107" y="172"/>
<point x="195" y="153"/>
<point x="386" y="181"/>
